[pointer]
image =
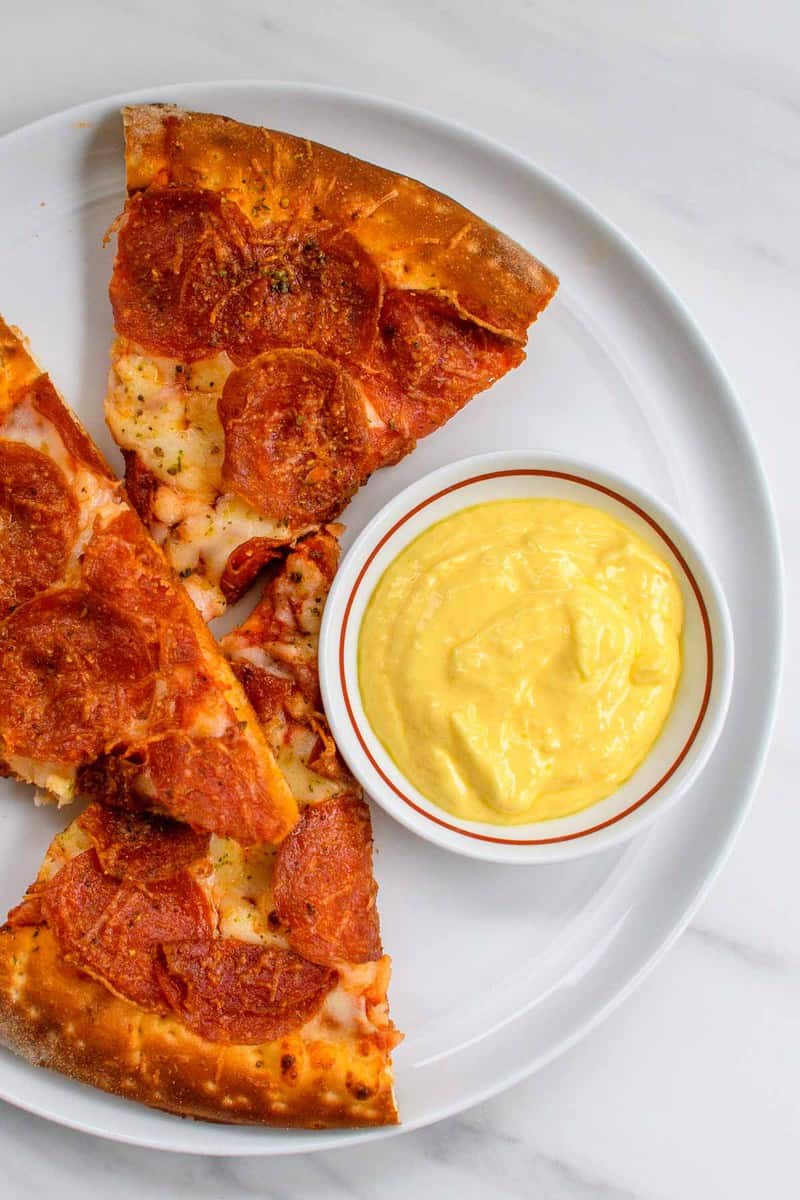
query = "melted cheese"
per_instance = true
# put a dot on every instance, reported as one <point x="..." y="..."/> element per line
<point x="69" y="844"/>
<point x="257" y="656"/>
<point x="241" y="889"/>
<point x="292" y="756"/>
<point x="26" y="424"/>
<point x="356" y="1007"/>
<point x="166" y="412"/>
<point x="57" y="779"/>
<point x="211" y="534"/>
<point x="306" y="786"/>
<point x="212" y="719"/>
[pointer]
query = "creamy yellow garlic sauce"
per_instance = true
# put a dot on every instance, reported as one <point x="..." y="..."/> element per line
<point x="519" y="658"/>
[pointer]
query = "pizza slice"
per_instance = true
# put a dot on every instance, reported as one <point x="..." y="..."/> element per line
<point x="274" y="654"/>
<point x="288" y="318"/>
<point x="239" y="984"/>
<point x="105" y="666"/>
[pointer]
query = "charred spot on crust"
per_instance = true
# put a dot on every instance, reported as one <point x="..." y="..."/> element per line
<point x="289" y="1065"/>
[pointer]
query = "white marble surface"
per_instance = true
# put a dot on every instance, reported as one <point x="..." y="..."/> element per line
<point x="681" y="122"/>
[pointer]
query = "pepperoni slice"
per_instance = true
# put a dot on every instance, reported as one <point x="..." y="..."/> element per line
<point x="323" y="885"/>
<point x="112" y="929"/>
<point x="76" y="899"/>
<point x="227" y="990"/>
<point x="74" y="673"/>
<point x="38" y="523"/>
<point x="193" y="275"/>
<point x="111" y="780"/>
<point x="122" y="565"/>
<point x="269" y="694"/>
<point x="325" y="758"/>
<point x="319" y="291"/>
<point x="295" y="436"/>
<point x="179" y="252"/>
<point x="245" y="562"/>
<point x="123" y="952"/>
<point x="428" y="362"/>
<point x="142" y="846"/>
<point x="209" y="783"/>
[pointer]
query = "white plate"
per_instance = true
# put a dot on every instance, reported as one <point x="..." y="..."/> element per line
<point x="497" y="969"/>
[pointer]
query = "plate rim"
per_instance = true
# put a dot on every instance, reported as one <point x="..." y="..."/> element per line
<point x="702" y="349"/>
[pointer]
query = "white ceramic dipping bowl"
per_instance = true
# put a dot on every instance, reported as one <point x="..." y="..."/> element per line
<point x="691" y="730"/>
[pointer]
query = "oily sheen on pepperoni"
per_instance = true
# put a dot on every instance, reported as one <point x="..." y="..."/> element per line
<point x="112" y="928"/>
<point x="141" y="846"/>
<point x="38" y="523"/>
<point x="74" y="673"/>
<point x="295" y="436"/>
<point x="246" y="562"/>
<point x="76" y="898"/>
<point x="427" y="362"/>
<point x="207" y="782"/>
<point x="227" y="990"/>
<point x="122" y="565"/>
<point x="177" y="249"/>
<point x="193" y="275"/>
<point x="303" y="289"/>
<point x="270" y="694"/>
<point x="324" y="891"/>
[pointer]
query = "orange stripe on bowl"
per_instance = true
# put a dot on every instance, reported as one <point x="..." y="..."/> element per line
<point x="645" y="516"/>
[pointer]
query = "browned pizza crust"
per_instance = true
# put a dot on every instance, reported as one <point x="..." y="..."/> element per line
<point x="420" y="238"/>
<point x="57" y="1017"/>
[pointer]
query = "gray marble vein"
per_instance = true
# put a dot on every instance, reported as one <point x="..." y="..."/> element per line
<point x="755" y="956"/>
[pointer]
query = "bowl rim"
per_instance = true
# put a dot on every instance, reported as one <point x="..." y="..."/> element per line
<point x="447" y="830"/>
